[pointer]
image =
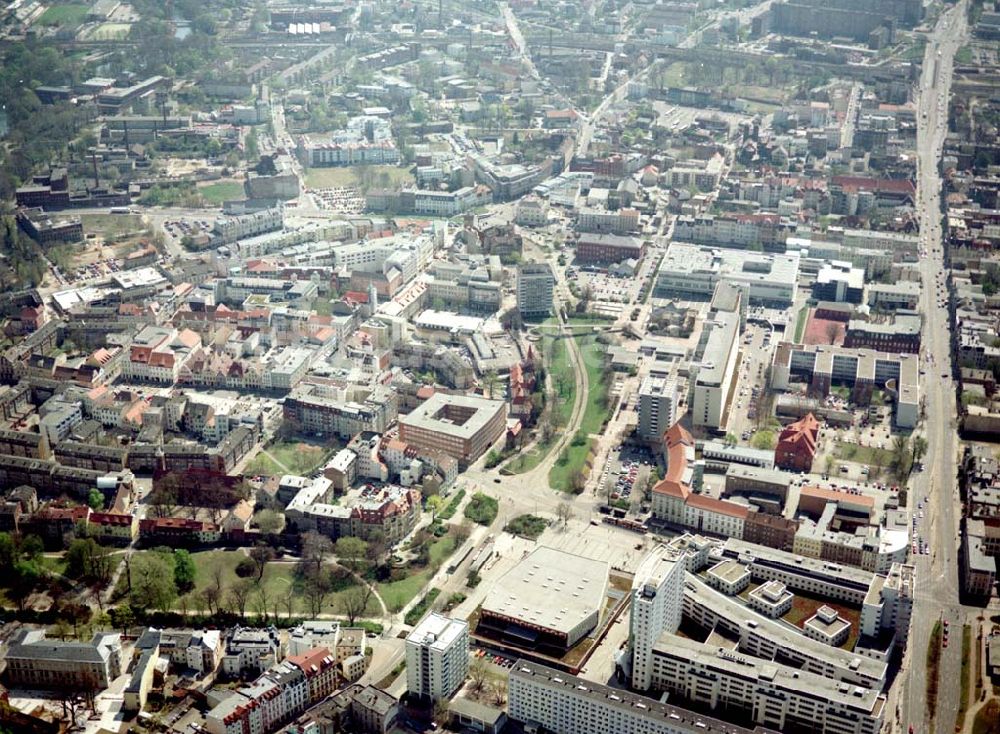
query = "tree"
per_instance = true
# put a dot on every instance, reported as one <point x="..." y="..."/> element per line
<point x="354" y="601"/>
<point x="902" y="458"/>
<point x="96" y="500"/>
<point x="378" y="547"/>
<point x="832" y="332"/>
<point x="260" y="601"/>
<point x="351" y="550"/>
<point x="239" y="596"/>
<point x="88" y="560"/>
<point x="184" y="570"/>
<point x="434" y="505"/>
<point x="564" y="512"/>
<point x="478" y="675"/>
<point x="764" y="440"/>
<point x="122" y="617"/>
<point x="269" y="522"/>
<point x="8" y="552"/>
<point x="441" y="713"/>
<point x="153" y="585"/>
<point x="490" y="383"/>
<point x="261" y="554"/>
<point x="461" y="532"/>
<point x="316" y="547"/>
<point x="315" y="589"/>
<point x="499" y="693"/>
<point x="919" y="448"/>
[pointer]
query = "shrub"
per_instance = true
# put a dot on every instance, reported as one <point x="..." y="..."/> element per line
<point x="482" y="509"/>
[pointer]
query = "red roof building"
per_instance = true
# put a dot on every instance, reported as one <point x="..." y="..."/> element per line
<point x="797" y="445"/>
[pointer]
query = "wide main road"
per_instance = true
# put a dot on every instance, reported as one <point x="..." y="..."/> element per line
<point x="937" y="575"/>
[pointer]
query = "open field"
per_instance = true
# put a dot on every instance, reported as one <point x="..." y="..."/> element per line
<point x="870" y="455"/>
<point x="220" y="191"/>
<point x="70" y="14"/>
<point x="288" y="457"/>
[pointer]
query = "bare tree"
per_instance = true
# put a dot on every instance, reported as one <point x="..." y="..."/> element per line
<point x="261" y="554"/>
<point x="354" y="601"/>
<point x="564" y="512"/>
<point x="478" y="675"/>
<point x="316" y="548"/>
<point x="210" y="597"/>
<point x="261" y="599"/>
<point x="500" y="693"/>
<point x="239" y="596"/>
<point x="461" y="532"/>
<point x="316" y="589"/>
<point x="832" y="332"/>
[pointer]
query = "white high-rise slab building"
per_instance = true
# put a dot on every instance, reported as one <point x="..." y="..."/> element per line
<point x="657" y="602"/>
<point x="437" y="657"/>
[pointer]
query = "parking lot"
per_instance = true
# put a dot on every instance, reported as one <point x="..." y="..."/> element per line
<point x="625" y="474"/>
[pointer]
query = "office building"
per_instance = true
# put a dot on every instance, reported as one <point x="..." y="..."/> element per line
<point x="36" y="662"/>
<point x="535" y="285"/>
<point x="658" y="398"/>
<point x="713" y="381"/>
<point x="461" y="426"/>
<point x="657" y="595"/>
<point x="766" y="692"/>
<point x="825" y="366"/>
<point x="437" y="657"/>
<point x="562" y="703"/>
<point x="692" y="271"/>
<point x="839" y="282"/>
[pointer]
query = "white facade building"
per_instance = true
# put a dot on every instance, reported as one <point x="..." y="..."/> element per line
<point x="437" y="657"/>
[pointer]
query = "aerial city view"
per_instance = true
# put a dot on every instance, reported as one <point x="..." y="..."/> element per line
<point x="521" y="366"/>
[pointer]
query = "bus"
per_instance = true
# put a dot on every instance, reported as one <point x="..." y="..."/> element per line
<point x="120" y="210"/>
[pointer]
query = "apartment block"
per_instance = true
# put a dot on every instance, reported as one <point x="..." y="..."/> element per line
<point x="437" y="657"/>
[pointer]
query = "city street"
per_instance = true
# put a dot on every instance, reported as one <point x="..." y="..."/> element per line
<point x="937" y="575"/>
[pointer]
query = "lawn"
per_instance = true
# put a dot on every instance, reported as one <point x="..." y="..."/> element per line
<point x="800" y="323"/>
<point x="963" y="698"/>
<point x="933" y="664"/>
<point x="804" y="606"/>
<point x="397" y="594"/>
<point x="278" y="578"/>
<point x="870" y="455"/>
<point x="528" y="459"/>
<point x="71" y="14"/>
<point x="595" y="414"/>
<point x="562" y="380"/>
<point x="288" y="457"/>
<point x="221" y="191"/>
<point x="53" y="564"/>
<point x="328" y="178"/>
<point x="571" y="461"/>
<point x="112" y="224"/>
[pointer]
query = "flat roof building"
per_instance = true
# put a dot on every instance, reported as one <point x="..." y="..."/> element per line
<point x="825" y="366"/>
<point x="549" y="601"/>
<point x="769" y="693"/>
<point x="437" y="657"/>
<point x="564" y="703"/>
<point x="692" y="271"/>
<point x="461" y="426"/>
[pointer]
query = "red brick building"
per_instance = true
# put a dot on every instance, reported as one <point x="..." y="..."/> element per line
<point x="797" y="444"/>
